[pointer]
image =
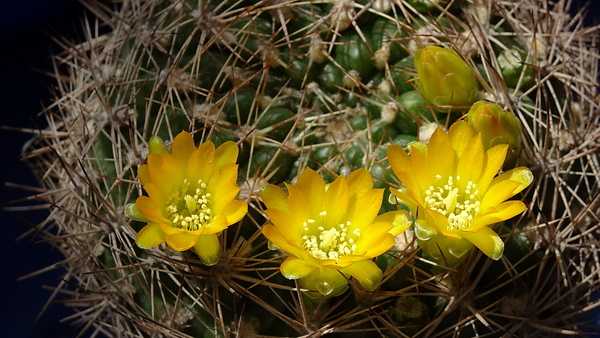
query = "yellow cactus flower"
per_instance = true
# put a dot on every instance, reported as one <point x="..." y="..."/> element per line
<point x="330" y="232"/>
<point x="496" y="126"/>
<point x="191" y="196"/>
<point x="452" y="191"/>
<point x="445" y="79"/>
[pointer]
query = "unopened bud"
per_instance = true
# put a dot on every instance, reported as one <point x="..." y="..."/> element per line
<point x="445" y="79"/>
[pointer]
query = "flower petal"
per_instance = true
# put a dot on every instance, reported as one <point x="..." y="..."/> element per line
<point x="359" y="182"/>
<point x="208" y="249"/>
<point x="502" y="212"/>
<point x="400" y="221"/>
<point x="362" y="212"/>
<point x="505" y="186"/>
<point x="182" y="148"/>
<point x="294" y="268"/>
<point x="336" y="201"/>
<point x="470" y="163"/>
<point x="312" y="187"/>
<point x="493" y="161"/>
<point x="366" y="272"/>
<point x="461" y="136"/>
<point x="201" y="162"/>
<point x="225" y="153"/>
<point x="275" y="198"/>
<point x="150" y="236"/>
<point x="440" y="158"/>
<point x="375" y="240"/>
<point x="487" y="240"/>
<point x="235" y="211"/>
<point x="181" y="241"/>
<point x="149" y="209"/>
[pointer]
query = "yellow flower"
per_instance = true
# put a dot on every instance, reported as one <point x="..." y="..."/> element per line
<point x="452" y="192"/>
<point x="191" y="196"/>
<point x="330" y="232"/>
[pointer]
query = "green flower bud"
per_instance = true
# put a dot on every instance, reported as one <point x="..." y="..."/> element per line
<point x="445" y="79"/>
<point x="496" y="126"/>
<point x="513" y="69"/>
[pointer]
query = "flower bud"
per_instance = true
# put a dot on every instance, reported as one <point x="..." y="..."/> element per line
<point x="445" y="79"/>
<point x="495" y="125"/>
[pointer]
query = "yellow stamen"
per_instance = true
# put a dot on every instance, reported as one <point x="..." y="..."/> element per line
<point x="189" y="210"/>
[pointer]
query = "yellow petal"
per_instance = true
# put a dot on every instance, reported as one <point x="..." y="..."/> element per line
<point x="312" y="187"/>
<point x="275" y="198"/>
<point x="440" y="156"/>
<point x="498" y="192"/>
<point x="208" y="249"/>
<point x="364" y="210"/>
<point x="359" y="182"/>
<point x="218" y="224"/>
<point x="294" y="268"/>
<point x="300" y="207"/>
<point x="494" y="159"/>
<point x="461" y="135"/>
<point x="222" y="179"/>
<point x="336" y="201"/>
<point x="398" y="158"/>
<point x="500" y="213"/>
<point x="201" y="163"/>
<point x="470" y="163"/>
<point x="223" y="197"/>
<point x="487" y="241"/>
<point x="225" y="153"/>
<point x="182" y="148"/>
<point x="375" y="240"/>
<point x="400" y="221"/>
<point x="235" y="211"/>
<point x="150" y="236"/>
<point x="288" y="226"/>
<point x="181" y="241"/>
<point x="366" y="272"/>
<point x="424" y="171"/>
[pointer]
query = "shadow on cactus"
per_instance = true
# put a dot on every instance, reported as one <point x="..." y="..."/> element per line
<point x="312" y="205"/>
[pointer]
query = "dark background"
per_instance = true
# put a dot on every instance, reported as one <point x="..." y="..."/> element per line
<point x="25" y="49"/>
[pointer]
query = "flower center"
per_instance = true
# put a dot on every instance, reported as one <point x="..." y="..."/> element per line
<point x="331" y="243"/>
<point x="188" y="207"/>
<point x="458" y="206"/>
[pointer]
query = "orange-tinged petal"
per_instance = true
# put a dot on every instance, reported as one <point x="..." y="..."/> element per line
<point x="294" y="268"/>
<point x="182" y="148"/>
<point x="144" y="174"/>
<point x="487" y="240"/>
<point x="150" y="236"/>
<point x="502" y="212"/>
<point x="225" y="153"/>
<point x="207" y="247"/>
<point x="366" y="272"/>
<point x="275" y="198"/>
<point x="149" y="209"/>
<point x="181" y="241"/>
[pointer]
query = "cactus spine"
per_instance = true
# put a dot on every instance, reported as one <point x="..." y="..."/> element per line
<point x="325" y="85"/>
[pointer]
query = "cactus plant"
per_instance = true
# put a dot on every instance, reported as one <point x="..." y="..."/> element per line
<point x="332" y="86"/>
